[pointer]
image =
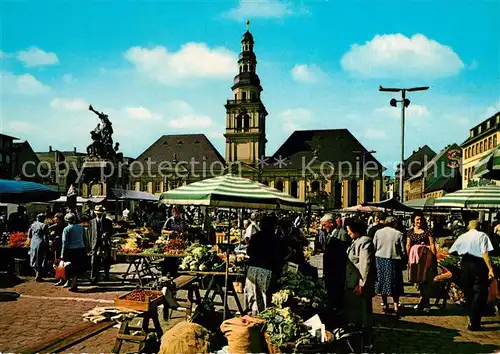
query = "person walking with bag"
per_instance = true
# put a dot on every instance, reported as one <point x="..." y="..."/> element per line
<point x="100" y="229"/>
<point x="73" y="251"/>
<point x="39" y="236"/>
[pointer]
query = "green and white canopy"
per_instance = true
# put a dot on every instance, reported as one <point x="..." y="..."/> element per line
<point x="489" y="166"/>
<point x="474" y="198"/>
<point x="230" y="191"/>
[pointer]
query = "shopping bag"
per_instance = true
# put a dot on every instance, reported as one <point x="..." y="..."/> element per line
<point x="493" y="294"/>
<point x="61" y="270"/>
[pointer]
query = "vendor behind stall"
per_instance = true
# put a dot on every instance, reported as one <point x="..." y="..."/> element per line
<point x="55" y="235"/>
<point x="175" y="222"/>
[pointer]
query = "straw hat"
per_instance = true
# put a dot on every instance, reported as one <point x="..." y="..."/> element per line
<point x="99" y="209"/>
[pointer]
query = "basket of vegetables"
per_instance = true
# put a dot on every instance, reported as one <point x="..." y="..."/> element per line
<point x="200" y="258"/>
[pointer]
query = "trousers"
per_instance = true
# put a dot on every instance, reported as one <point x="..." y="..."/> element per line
<point x="475" y="286"/>
<point x="97" y="260"/>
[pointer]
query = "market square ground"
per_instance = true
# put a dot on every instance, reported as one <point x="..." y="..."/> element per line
<point x="43" y="311"/>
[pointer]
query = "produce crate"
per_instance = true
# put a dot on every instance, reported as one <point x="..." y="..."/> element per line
<point x="154" y="299"/>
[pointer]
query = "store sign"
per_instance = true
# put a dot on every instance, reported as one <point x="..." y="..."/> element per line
<point x="454" y="158"/>
<point x="480" y="183"/>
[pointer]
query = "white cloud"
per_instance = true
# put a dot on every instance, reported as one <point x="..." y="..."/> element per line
<point x="37" y="57"/>
<point x="190" y="121"/>
<point x="69" y="79"/>
<point x="293" y="118"/>
<point x="25" y="84"/>
<point x="179" y="107"/>
<point x="307" y="73"/>
<point x="18" y="126"/>
<point x="396" y="56"/>
<point x="492" y="109"/>
<point x="192" y="61"/>
<point x="141" y="113"/>
<point x="373" y="133"/>
<point x="216" y="134"/>
<point x="413" y="110"/>
<point x="69" y="104"/>
<point x="262" y="9"/>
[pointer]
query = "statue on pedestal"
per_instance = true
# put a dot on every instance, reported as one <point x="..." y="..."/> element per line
<point x="102" y="139"/>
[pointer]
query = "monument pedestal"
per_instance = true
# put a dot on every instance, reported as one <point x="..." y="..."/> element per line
<point x="100" y="175"/>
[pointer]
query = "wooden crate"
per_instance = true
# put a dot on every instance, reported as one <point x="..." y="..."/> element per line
<point x="145" y="306"/>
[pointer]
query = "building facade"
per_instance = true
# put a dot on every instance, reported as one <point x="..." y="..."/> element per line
<point x="439" y="176"/>
<point x="483" y="138"/>
<point x="412" y="166"/>
<point x="6" y="151"/>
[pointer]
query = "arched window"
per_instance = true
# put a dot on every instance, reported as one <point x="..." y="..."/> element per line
<point x="490" y="143"/>
<point x="279" y="185"/>
<point x="315" y="186"/>
<point x="494" y="140"/>
<point x="353" y="193"/>
<point x="481" y="147"/>
<point x="369" y="190"/>
<point x="294" y="189"/>
<point x="239" y="122"/>
<point x="474" y="149"/>
<point x="246" y="122"/>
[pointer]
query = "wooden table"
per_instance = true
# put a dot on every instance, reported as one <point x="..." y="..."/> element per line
<point x="140" y="265"/>
<point x="215" y="288"/>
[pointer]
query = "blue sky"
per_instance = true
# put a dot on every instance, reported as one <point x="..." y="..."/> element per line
<point x="166" y="67"/>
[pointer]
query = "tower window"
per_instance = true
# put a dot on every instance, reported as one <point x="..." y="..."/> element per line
<point x="245" y="68"/>
<point x="235" y="96"/>
<point x="246" y="122"/>
<point x="244" y="95"/>
<point x="239" y="122"/>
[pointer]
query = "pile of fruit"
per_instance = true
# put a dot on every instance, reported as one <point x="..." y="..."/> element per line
<point x="18" y="239"/>
<point x="200" y="258"/>
<point x="129" y="250"/>
<point x="175" y="246"/>
<point x="141" y="295"/>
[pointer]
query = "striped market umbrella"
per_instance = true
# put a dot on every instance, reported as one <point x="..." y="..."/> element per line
<point x="230" y="191"/>
<point x="489" y="166"/>
<point x="473" y="198"/>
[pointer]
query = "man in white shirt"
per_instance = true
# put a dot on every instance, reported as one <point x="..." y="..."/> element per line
<point x="474" y="247"/>
<point x="252" y="228"/>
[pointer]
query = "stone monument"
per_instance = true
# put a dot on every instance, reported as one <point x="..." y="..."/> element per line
<point x="103" y="167"/>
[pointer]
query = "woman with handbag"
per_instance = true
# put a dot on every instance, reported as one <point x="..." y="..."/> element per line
<point x="73" y="251"/>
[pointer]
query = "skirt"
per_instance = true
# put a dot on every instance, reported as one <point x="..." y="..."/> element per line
<point x="79" y="261"/>
<point x="38" y="254"/>
<point x="258" y="289"/>
<point x="389" y="277"/>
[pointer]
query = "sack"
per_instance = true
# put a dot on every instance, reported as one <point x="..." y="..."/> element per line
<point x="244" y="335"/>
<point x="493" y="294"/>
<point x="185" y="338"/>
<point x="61" y="270"/>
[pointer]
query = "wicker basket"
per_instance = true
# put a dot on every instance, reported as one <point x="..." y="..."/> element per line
<point x="302" y="348"/>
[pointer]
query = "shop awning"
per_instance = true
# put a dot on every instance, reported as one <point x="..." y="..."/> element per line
<point x="475" y="198"/>
<point x="489" y="166"/>
<point x="20" y="192"/>
<point x="79" y="200"/>
<point x="420" y="204"/>
<point x="361" y="209"/>
<point x="391" y="204"/>
<point x="125" y="194"/>
<point x="231" y="191"/>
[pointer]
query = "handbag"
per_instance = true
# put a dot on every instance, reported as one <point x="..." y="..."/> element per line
<point x="61" y="269"/>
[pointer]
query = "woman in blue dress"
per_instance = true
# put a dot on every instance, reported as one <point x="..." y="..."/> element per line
<point x="38" y="235"/>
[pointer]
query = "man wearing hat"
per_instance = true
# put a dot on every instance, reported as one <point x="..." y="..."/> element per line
<point x="100" y="230"/>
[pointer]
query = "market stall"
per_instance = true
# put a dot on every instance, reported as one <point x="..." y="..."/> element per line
<point x="230" y="191"/>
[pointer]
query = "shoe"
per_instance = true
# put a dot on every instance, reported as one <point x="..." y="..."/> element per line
<point x="73" y="289"/>
<point x="59" y="283"/>
<point x="67" y="284"/>
<point x="426" y="309"/>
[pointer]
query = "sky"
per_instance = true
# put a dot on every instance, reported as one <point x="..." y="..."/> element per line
<point x="166" y="67"/>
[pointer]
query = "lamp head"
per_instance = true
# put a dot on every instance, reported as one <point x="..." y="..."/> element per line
<point x="406" y="102"/>
<point x="393" y="102"/>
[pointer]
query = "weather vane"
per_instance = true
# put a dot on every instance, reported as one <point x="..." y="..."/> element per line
<point x="248" y="25"/>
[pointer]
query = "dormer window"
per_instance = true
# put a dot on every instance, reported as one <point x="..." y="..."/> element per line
<point x="472" y="133"/>
<point x="488" y="125"/>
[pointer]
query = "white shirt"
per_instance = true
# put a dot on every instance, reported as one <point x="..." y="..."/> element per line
<point x="473" y="242"/>
<point x="251" y="230"/>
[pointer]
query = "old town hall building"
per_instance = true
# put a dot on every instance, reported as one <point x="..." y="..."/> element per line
<point x="323" y="167"/>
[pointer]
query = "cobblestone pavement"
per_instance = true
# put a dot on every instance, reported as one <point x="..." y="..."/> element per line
<point x="44" y="311"/>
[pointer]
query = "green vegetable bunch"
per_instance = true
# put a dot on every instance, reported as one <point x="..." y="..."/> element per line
<point x="449" y="261"/>
<point x="305" y="291"/>
<point x="200" y="258"/>
<point x="284" y="327"/>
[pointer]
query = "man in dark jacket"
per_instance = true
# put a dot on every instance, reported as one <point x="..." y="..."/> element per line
<point x="100" y="230"/>
<point x="334" y="264"/>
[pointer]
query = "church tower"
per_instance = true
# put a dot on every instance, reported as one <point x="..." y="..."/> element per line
<point x="245" y="113"/>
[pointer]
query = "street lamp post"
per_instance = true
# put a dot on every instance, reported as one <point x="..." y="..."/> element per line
<point x="404" y="103"/>
<point x="363" y="154"/>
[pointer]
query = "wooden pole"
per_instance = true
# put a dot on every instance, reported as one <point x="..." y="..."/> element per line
<point x="227" y="264"/>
